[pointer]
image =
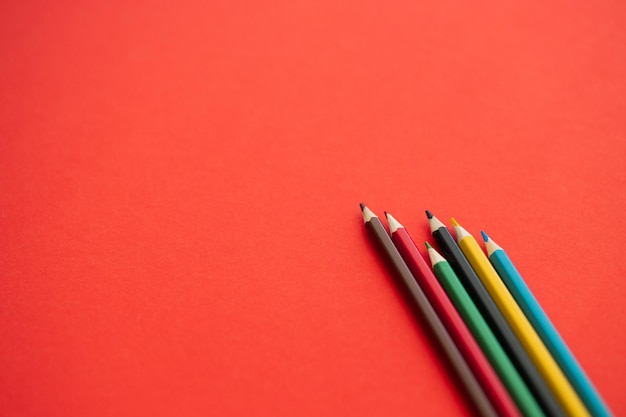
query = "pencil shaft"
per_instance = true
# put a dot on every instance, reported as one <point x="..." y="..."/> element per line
<point x="417" y="300"/>
<point x="496" y="321"/>
<point x="548" y="333"/>
<point x="525" y="333"/>
<point x="464" y="340"/>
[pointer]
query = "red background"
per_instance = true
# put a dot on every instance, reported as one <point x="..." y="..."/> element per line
<point x="179" y="187"/>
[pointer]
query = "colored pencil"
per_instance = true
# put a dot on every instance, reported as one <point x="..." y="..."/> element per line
<point x="545" y="329"/>
<point x="493" y="317"/>
<point x="547" y="366"/>
<point x="483" y="334"/>
<point x="420" y="305"/>
<point x="476" y="359"/>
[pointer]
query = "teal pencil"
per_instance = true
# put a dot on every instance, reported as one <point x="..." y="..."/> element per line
<point x="545" y="329"/>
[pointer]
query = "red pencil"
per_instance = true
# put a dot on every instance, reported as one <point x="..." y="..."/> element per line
<point x="451" y="319"/>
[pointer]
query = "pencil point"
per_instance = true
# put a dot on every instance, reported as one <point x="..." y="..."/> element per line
<point x="367" y="213"/>
<point x="459" y="231"/>
<point x="434" y="222"/>
<point x="434" y="256"/>
<point x="490" y="245"/>
<point x="393" y="223"/>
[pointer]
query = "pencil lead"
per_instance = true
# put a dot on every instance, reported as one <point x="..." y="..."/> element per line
<point x="428" y="246"/>
<point x="485" y="237"/>
<point x="454" y="222"/>
<point x="393" y="223"/>
<point x="429" y="214"/>
<point x="362" y="206"/>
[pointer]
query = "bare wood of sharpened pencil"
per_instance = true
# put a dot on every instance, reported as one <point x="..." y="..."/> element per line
<point x="418" y="299"/>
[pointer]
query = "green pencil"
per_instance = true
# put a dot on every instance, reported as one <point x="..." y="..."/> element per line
<point x="499" y="360"/>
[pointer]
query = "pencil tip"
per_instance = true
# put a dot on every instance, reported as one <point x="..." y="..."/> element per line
<point x="393" y="223"/>
<point x="454" y="222"/>
<point x="367" y="213"/>
<point x="490" y="245"/>
<point x="428" y="246"/>
<point x="429" y="214"/>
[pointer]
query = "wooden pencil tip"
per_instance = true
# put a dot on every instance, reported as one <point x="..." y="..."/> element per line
<point x="362" y="206"/>
<point x="367" y="213"/>
<point x="393" y="223"/>
<point x="428" y="246"/>
<point x="429" y="214"/>
<point x="485" y="237"/>
<point x="454" y="222"/>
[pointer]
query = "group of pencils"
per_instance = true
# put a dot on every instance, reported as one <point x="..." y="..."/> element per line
<point x="505" y="351"/>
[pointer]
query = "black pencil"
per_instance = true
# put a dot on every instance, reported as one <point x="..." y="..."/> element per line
<point x="418" y="301"/>
<point x="494" y="318"/>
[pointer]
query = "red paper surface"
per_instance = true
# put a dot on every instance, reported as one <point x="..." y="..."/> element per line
<point x="179" y="185"/>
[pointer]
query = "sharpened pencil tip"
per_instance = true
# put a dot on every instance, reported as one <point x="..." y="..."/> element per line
<point x="367" y="213"/>
<point x="454" y="222"/>
<point x="429" y="214"/>
<point x="490" y="245"/>
<point x="393" y="223"/>
<point x="428" y="246"/>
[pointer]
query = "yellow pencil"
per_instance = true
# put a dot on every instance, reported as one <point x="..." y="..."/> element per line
<point x="539" y="354"/>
